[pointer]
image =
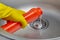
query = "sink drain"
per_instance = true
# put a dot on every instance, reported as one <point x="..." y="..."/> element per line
<point x="40" y="24"/>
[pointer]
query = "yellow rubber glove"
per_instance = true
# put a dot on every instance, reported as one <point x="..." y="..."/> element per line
<point x="12" y="14"/>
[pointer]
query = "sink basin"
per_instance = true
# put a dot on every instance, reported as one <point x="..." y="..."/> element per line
<point x="51" y="12"/>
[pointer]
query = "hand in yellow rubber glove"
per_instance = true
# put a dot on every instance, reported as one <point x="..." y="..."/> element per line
<point x="9" y="13"/>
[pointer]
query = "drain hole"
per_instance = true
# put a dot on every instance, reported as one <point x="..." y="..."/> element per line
<point x="40" y="24"/>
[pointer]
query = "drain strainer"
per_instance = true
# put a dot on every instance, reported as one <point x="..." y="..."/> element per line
<point x="40" y="24"/>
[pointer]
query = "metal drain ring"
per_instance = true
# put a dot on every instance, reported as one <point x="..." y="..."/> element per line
<point x="40" y="24"/>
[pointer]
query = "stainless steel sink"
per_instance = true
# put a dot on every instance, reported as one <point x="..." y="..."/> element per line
<point x="51" y="13"/>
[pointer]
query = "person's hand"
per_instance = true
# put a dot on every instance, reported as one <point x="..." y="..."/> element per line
<point x="12" y="14"/>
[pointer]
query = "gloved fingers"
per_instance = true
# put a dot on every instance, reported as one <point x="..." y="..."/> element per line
<point x="9" y="13"/>
<point x="19" y="18"/>
<point x="4" y="10"/>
